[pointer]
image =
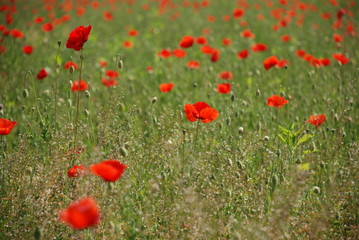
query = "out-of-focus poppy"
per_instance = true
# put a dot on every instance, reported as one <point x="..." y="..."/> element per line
<point x="38" y="20"/>
<point x="201" y="111"/>
<point x="16" y="33"/>
<point x="6" y="126"/>
<point x="179" y="53"/>
<point x="109" y="170"/>
<point x="317" y="120"/>
<point x="79" y="85"/>
<point x="215" y="55"/>
<point x="285" y="38"/>
<point x="207" y="49"/>
<point x="81" y="214"/>
<point x="186" y="42"/>
<point x="112" y="73"/>
<point x="337" y="38"/>
<point x="325" y="61"/>
<point x="102" y="63"/>
<point x="166" y="87"/>
<point x="127" y="44"/>
<point x="107" y="16"/>
<point x="78" y="37"/>
<point x="68" y="64"/>
<point x="300" y="53"/>
<point x="201" y="40"/>
<point x="28" y="49"/>
<point x="42" y="74"/>
<point x="247" y="34"/>
<point x="76" y="171"/>
<point x="243" y="54"/>
<point x="165" y="53"/>
<point x="224" y="88"/>
<point x="226" y="41"/>
<point x="111" y="82"/>
<point x="238" y="13"/>
<point x="193" y="64"/>
<point x="47" y="27"/>
<point x="133" y="33"/>
<point x="226" y="75"/>
<point x="276" y="101"/>
<point x="259" y="47"/>
<point x="270" y="62"/>
<point x="341" y="58"/>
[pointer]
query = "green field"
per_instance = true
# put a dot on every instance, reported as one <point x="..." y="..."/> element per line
<point x="252" y="171"/>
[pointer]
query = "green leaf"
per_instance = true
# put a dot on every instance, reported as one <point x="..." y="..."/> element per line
<point x="303" y="139"/>
<point x="303" y="166"/>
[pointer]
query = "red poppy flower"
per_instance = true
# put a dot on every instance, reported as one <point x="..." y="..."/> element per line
<point x="149" y="69"/>
<point x="337" y="38"/>
<point x="207" y="49"/>
<point x="326" y="15"/>
<point x="38" y="20"/>
<point x="317" y="120"/>
<point x="78" y="37"/>
<point x="47" y="27"/>
<point x="247" y="34"/>
<point x="243" y="54"/>
<point x="215" y="55"/>
<point x="226" y="75"/>
<point x="282" y="63"/>
<point x="270" y="62"/>
<point x="28" y="49"/>
<point x="76" y="171"/>
<point x="164" y="53"/>
<point x="259" y="47"/>
<point x="6" y="126"/>
<point x="16" y="33"/>
<point x="224" y="88"/>
<point x="238" y="13"/>
<point x="179" y="53"/>
<point x="193" y="64"/>
<point x="102" y="63"/>
<point x="42" y="74"/>
<point x="285" y="38"/>
<point x="201" y="40"/>
<point x="80" y="85"/>
<point x="127" y="44"/>
<point x="68" y="64"/>
<point x="186" y="42"/>
<point x="300" y="53"/>
<point x="226" y="41"/>
<point x="133" y="33"/>
<point x="109" y="82"/>
<point x="276" y="101"/>
<point x="341" y="58"/>
<point x="201" y="111"/>
<point x="112" y="73"/>
<point x="107" y="16"/>
<point x="109" y="170"/>
<point x="325" y="61"/>
<point x="166" y="87"/>
<point x="81" y="214"/>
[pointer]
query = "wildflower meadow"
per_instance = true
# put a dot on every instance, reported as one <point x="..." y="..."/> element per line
<point x="179" y="119"/>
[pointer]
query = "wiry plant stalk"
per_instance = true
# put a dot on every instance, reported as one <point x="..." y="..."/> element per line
<point x="56" y="80"/>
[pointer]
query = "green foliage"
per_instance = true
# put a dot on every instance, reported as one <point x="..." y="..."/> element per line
<point x="292" y="137"/>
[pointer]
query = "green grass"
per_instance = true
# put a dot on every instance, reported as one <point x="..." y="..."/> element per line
<point x="218" y="183"/>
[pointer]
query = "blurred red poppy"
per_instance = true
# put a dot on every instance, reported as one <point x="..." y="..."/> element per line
<point x="128" y="44"/>
<point x="341" y="58"/>
<point x="285" y="38"/>
<point x="317" y="120"/>
<point x="186" y="42"/>
<point x="81" y="214"/>
<point x="109" y="170"/>
<point x="16" y="33"/>
<point x="325" y="61"/>
<point x="224" y="88"/>
<point x="68" y="64"/>
<point x="80" y="85"/>
<point x="193" y="64"/>
<point x="78" y="37"/>
<point x="215" y="55"/>
<point x="102" y="63"/>
<point x="76" y="171"/>
<point x="112" y="73"/>
<point x="179" y="53"/>
<point x="6" y="126"/>
<point x="259" y="47"/>
<point x="247" y="34"/>
<point x="276" y="101"/>
<point x="300" y="53"/>
<point x="28" y="49"/>
<point x="47" y="27"/>
<point x="243" y="54"/>
<point x="107" y="16"/>
<point x="201" y="111"/>
<point x="238" y="13"/>
<point x="207" y="49"/>
<point x="38" y="20"/>
<point x="166" y="87"/>
<point x="270" y="62"/>
<point x="226" y="41"/>
<point x="337" y="38"/>
<point x="226" y="75"/>
<point x="111" y="82"/>
<point x="201" y="40"/>
<point x="133" y="33"/>
<point x="42" y="74"/>
<point x="164" y="53"/>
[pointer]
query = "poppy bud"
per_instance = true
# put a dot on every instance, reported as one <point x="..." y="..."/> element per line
<point x="240" y="130"/>
<point x="228" y="121"/>
<point x="87" y="94"/>
<point x="336" y="117"/>
<point x="25" y="93"/>
<point x="120" y="64"/>
<point x="258" y="92"/>
<point x="278" y="152"/>
<point x="194" y="85"/>
<point x="37" y="233"/>
<point x="298" y="161"/>
<point x="86" y="112"/>
<point x="344" y="134"/>
<point x="70" y="84"/>
<point x="23" y="107"/>
<point x="72" y="69"/>
<point x="154" y="99"/>
<point x="275" y="181"/>
<point x="230" y="163"/>
<point x="59" y="43"/>
<point x="1" y="106"/>
<point x="266" y="138"/>
<point x="332" y="130"/>
<point x="273" y="118"/>
<point x="282" y="94"/>
<point x="316" y="189"/>
<point x="123" y="152"/>
<point x="184" y="131"/>
<point x="259" y="126"/>
<point x="232" y="98"/>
